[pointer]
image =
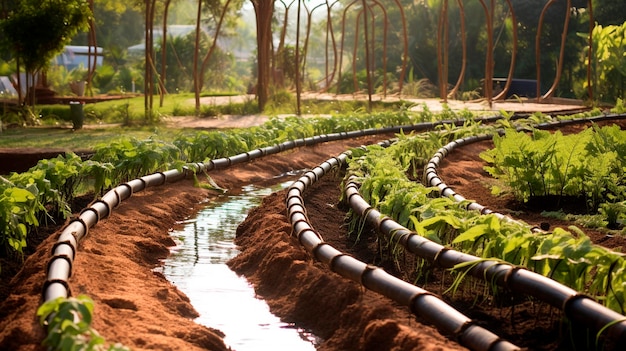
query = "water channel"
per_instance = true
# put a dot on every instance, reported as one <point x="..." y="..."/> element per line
<point x="225" y="301"/>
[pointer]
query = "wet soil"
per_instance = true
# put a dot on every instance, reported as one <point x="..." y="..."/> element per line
<point x="140" y="309"/>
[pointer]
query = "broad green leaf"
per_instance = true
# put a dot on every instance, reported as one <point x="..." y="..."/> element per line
<point x="471" y="234"/>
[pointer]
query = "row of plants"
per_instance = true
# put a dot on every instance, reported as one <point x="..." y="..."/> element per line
<point x="67" y="332"/>
<point x="68" y="320"/>
<point x="131" y="158"/>
<point x="387" y="178"/>
<point x="46" y="191"/>
<point x="43" y="195"/>
<point x="590" y="166"/>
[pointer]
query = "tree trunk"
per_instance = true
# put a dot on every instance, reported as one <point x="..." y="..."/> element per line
<point x="148" y="58"/>
<point x="298" y="82"/>
<point x="309" y="20"/>
<point x="196" y="49"/>
<point x="330" y="36"/>
<point x="264" y="10"/>
<point x="279" y="61"/>
<point x="92" y="57"/>
<point x="207" y="57"/>
<point x="164" y="49"/>
<point x="20" y="97"/>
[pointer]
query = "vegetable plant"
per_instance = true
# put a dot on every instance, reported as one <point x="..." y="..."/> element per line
<point x="590" y="164"/>
<point x="565" y="255"/>
<point x="69" y="325"/>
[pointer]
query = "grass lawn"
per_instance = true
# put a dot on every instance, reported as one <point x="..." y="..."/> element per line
<point x="42" y="137"/>
<point x="56" y="131"/>
<point x="127" y="117"/>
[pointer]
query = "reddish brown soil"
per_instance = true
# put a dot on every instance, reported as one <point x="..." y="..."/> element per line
<point x="139" y="308"/>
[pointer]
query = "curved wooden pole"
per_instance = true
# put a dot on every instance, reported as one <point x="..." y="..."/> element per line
<point x="405" y="55"/>
<point x="196" y="49"/>
<point x="559" y="67"/>
<point x="277" y="60"/>
<point x="209" y="54"/>
<point x="592" y="25"/>
<point x="163" y="76"/>
<point x="385" y="30"/>
<point x="354" y="51"/>
<point x="343" y="35"/>
<point x="440" y="49"/>
<point x="330" y="76"/>
<point x="461" y="77"/>
<point x="309" y="20"/>
<point x="365" y="11"/>
<point x="298" y="82"/>
<point x="488" y="84"/>
<point x="446" y="49"/>
<point x="92" y="51"/>
<point x="371" y="37"/>
<point x="509" y="78"/>
<point x="538" y="47"/>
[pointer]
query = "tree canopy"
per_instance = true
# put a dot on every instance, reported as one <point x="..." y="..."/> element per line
<point x="38" y="30"/>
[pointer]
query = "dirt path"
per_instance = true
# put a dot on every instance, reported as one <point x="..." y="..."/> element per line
<point x="433" y="105"/>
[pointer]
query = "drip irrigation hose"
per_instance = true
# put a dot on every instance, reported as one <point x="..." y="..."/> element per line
<point x="577" y="307"/>
<point x="60" y="264"/>
<point x="421" y="302"/>
<point x="585" y="311"/>
<point x="431" y="177"/>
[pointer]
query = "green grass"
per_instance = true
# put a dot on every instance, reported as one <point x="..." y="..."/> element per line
<point x="132" y="108"/>
<point x="81" y="139"/>
<point x="125" y="117"/>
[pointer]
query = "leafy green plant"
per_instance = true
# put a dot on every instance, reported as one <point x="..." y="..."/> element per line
<point x="522" y="161"/>
<point x="608" y="62"/>
<point x="134" y="158"/>
<point x="18" y="208"/>
<point x="68" y="321"/>
<point x="567" y="256"/>
<point x="619" y="106"/>
<point x="539" y="163"/>
<point x="614" y="212"/>
<point x="63" y="175"/>
<point x="46" y="191"/>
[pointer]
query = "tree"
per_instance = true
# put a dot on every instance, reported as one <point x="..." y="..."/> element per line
<point x="280" y="61"/>
<point x="218" y="11"/>
<point x="38" y="30"/>
<point x="264" y="11"/>
<point x="119" y="24"/>
<point x="166" y="11"/>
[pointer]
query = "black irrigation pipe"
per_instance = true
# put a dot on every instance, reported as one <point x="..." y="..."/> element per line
<point x="431" y="177"/>
<point x="59" y="269"/>
<point x="577" y="307"/>
<point x="421" y="302"/>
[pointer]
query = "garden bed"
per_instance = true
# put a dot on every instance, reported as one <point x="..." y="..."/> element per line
<point x="139" y="308"/>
